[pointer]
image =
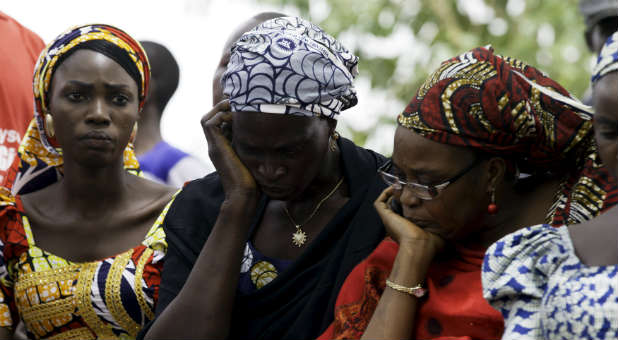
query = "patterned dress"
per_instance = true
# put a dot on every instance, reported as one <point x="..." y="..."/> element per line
<point x="544" y="291"/>
<point x="58" y="299"/>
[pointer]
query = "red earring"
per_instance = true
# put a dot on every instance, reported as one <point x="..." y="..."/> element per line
<point x="492" y="208"/>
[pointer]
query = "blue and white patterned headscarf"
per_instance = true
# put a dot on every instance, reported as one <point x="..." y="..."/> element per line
<point x="608" y="58"/>
<point x="290" y="66"/>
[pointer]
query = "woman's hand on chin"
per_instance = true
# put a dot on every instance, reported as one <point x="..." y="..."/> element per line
<point x="236" y="179"/>
<point x="409" y="236"/>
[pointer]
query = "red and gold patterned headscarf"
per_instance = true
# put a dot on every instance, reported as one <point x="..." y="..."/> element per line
<point x="501" y="106"/>
<point x="39" y="155"/>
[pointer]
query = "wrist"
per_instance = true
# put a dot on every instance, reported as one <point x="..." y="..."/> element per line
<point x="411" y="265"/>
<point x="417" y="252"/>
<point x="238" y="203"/>
<point x="242" y="195"/>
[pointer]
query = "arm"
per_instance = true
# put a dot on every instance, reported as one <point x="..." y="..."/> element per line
<point x="396" y="311"/>
<point x="203" y="307"/>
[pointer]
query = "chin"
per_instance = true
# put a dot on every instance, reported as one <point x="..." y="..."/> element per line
<point x="279" y="195"/>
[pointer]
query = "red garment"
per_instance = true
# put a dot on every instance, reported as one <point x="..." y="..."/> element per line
<point x="19" y="50"/>
<point x="453" y="309"/>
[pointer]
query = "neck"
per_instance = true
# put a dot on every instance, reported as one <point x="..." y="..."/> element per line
<point x="93" y="190"/>
<point x="517" y="210"/>
<point x="328" y="176"/>
<point x="149" y="130"/>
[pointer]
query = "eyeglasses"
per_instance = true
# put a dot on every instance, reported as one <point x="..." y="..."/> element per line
<point x="424" y="192"/>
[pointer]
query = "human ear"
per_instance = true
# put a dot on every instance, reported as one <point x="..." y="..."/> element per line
<point x="495" y="170"/>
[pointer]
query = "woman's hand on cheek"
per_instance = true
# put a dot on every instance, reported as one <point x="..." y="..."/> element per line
<point x="404" y="232"/>
<point x="236" y="179"/>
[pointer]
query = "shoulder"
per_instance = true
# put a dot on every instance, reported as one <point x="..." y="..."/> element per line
<point x="198" y="202"/>
<point x="359" y="154"/>
<point x="520" y="262"/>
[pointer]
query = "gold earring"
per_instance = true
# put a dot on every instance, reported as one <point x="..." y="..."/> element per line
<point x="49" y="125"/>
<point x="134" y="132"/>
<point x="332" y="141"/>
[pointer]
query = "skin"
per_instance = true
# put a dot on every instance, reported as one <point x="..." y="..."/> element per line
<point x="285" y="158"/>
<point x="458" y="215"/>
<point x="600" y="247"/>
<point x="97" y="204"/>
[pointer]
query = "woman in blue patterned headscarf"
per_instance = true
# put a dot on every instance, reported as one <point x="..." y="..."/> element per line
<point x="260" y="248"/>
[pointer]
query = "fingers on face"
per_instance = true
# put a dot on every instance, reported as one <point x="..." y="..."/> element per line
<point x="222" y="106"/>
<point x="385" y="195"/>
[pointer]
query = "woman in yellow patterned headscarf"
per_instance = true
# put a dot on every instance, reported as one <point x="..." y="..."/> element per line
<point x="73" y="202"/>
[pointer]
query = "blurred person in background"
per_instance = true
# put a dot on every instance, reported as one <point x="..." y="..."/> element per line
<point x="159" y="160"/>
<point x="81" y="241"/>
<point x="562" y="283"/>
<point x="19" y="49"/>
<point x="601" y="20"/>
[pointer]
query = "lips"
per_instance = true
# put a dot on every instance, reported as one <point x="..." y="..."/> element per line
<point x="99" y="135"/>
<point x="96" y="140"/>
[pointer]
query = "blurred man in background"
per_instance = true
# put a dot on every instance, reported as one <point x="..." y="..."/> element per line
<point x="159" y="160"/>
<point x="601" y="19"/>
<point x="19" y="50"/>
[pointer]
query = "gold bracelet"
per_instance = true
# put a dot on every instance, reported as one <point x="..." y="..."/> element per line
<point x="417" y="290"/>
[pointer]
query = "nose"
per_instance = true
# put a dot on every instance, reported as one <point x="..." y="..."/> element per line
<point x="98" y="113"/>
<point x="271" y="171"/>
<point x="407" y="198"/>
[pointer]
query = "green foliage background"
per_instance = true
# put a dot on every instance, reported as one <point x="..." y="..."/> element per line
<point x="444" y="28"/>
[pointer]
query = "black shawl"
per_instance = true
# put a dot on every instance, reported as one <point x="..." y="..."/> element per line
<point x="299" y="303"/>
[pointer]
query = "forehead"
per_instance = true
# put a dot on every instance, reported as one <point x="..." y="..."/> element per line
<point x="416" y="153"/>
<point x="271" y="130"/>
<point x="88" y="66"/>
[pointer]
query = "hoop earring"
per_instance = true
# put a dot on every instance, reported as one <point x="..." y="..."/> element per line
<point x="133" y="132"/>
<point x="49" y="125"/>
<point x="492" y="208"/>
<point x="332" y="141"/>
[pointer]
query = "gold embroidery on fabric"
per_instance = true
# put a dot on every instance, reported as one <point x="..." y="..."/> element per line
<point x="139" y="292"/>
<point x="49" y="276"/>
<point x="547" y="119"/>
<point x="504" y="100"/>
<point x="74" y="334"/>
<point x="84" y="302"/>
<point x="113" y="296"/>
<point x="523" y="122"/>
<point x="477" y="111"/>
<point x="581" y="134"/>
<point x="445" y="99"/>
<point x="414" y="122"/>
<point x="49" y="310"/>
<point x="432" y="80"/>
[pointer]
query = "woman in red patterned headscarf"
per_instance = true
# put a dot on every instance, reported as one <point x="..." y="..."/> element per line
<point x="487" y="146"/>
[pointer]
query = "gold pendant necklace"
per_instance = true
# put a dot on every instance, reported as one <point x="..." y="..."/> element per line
<point x="299" y="237"/>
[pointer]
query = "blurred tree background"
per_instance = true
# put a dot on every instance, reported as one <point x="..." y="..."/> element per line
<point x="401" y="41"/>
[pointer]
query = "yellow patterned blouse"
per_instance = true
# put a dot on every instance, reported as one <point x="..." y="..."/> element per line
<point x="58" y="299"/>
